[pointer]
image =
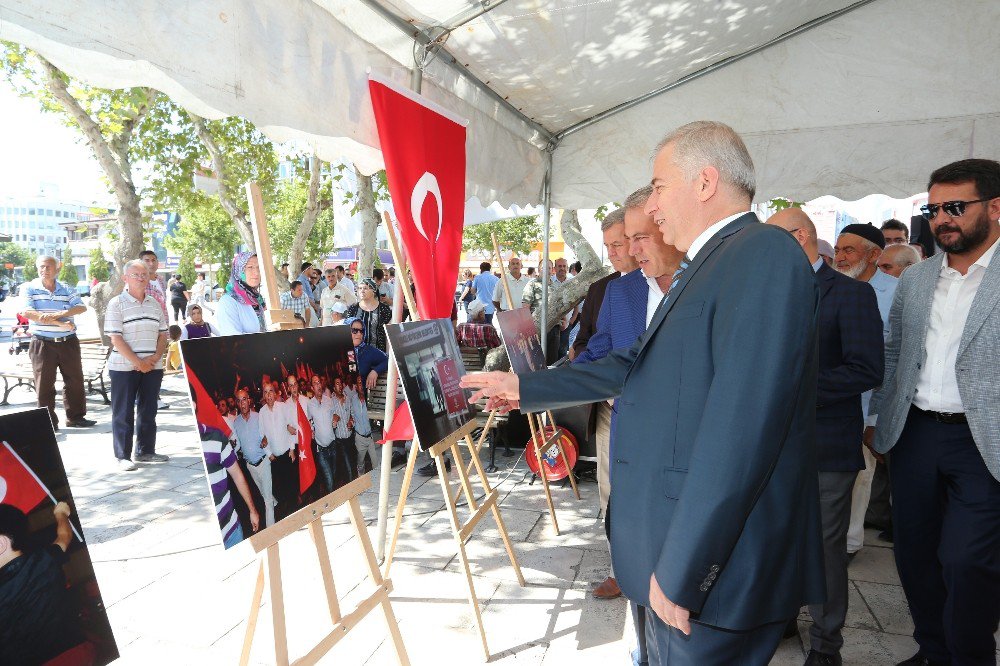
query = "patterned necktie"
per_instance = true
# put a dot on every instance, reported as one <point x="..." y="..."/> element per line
<point x="673" y="283"/>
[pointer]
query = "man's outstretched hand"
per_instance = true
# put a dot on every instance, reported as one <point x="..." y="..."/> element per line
<point x="502" y="389"/>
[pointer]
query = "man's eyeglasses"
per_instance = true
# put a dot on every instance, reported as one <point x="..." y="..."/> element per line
<point x="952" y="208"/>
<point x="139" y="276"/>
<point x="357" y="330"/>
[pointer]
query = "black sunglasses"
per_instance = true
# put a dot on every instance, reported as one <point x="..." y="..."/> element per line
<point x="952" y="208"/>
<point x="357" y="330"/>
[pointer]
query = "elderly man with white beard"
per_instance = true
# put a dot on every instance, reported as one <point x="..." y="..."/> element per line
<point x="858" y="249"/>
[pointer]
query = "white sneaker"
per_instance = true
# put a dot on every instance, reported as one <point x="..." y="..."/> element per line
<point x="125" y="465"/>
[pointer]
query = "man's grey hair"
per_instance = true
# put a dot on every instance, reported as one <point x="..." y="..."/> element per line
<point x="638" y="198"/>
<point x="617" y="216"/>
<point x="906" y="255"/>
<point x="46" y="258"/>
<point x="135" y="262"/>
<point x="707" y="143"/>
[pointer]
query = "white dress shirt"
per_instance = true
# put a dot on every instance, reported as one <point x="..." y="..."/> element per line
<point x="653" y="297"/>
<point x="274" y="424"/>
<point x="707" y="234"/>
<point x="516" y="290"/>
<point x="937" y="384"/>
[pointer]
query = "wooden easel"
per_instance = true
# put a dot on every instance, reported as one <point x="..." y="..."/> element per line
<point x="461" y="531"/>
<point x="275" y="317"/>
<point x="312" y="515"/>
<point x="535" y="420"/>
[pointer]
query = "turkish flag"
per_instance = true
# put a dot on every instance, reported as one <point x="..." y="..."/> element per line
<point x="206" y="413"/>
<point x="402" y="425"/>
<point x="307" y="464"/>
<point x="19" y="486"/>
<point x="423" y="146"/>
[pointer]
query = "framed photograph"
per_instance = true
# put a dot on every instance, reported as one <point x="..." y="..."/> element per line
<point x="283" y="421"/>
<point x="520" y="339"/>
<point x="430" y="366"/>
<point x="50" y="604"/>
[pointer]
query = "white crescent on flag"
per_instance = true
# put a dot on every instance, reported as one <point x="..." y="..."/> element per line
<point x="427" y="184"/>
<point x="3" y="488"/>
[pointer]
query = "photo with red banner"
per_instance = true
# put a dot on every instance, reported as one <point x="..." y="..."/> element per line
<point x="283" y="420"/>
<point x="423" y="146"/>
<point x="51" y="608"/>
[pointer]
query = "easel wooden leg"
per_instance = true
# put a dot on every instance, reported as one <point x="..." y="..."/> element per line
<point x="366" y="546"/>
<point x="457" y="530"/>
<point x="404" y="490"/>
<point x="277" y="605"/>
<point x="482" y="438"/>
<point x="319" y="539"/>
<point x="258" y="593"/>
<point x="538" y="438"/>
<point x="463" y="477"/>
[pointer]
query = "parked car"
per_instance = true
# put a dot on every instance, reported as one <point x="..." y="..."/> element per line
<point x="83" y="288"/>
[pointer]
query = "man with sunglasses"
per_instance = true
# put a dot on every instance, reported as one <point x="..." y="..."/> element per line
<point x="937" y="414"/>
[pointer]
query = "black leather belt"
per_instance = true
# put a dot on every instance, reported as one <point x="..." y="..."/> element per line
<point x="60" y="339"/>
<point x="256" y="464"/>
<point x="950" y="418"/>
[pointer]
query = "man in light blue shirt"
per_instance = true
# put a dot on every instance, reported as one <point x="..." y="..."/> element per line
<point x="255" y="451"/>
<point x="484" y="284"/>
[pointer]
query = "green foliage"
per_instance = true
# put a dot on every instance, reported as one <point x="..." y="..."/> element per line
<point x="517" y="233"/>
<point x="603" y="210"/>
<point x="206" y="233"/>
<point x="99" y="266"/>
<point x="780" y="203"/>
<point x="68" y="274"/>
<point x="187" y="270"/>
<point x="379" y="181"/>
<point x="30" y="270"/>
<point x="14" y="254"/>
<point x="284" y="216"/>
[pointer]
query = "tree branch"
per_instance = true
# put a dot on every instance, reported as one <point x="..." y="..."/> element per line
<point x="310" y="216"/>
<point x="236" y="212"/>
<point x="370" y="221"/>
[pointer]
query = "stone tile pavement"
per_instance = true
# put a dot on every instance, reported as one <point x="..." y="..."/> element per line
<point x="174" y="596"/>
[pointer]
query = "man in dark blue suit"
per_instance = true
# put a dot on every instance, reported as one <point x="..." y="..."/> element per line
<point x="629" y="304"/>
<point x="851" y="361"/>
<point x="714" y="507"/>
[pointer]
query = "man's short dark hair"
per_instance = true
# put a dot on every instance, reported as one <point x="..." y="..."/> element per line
<point x="392" y="271"/>
<point x="893" y="224"/>
<point x="305" y="265"/>
<point x="485" y="267"/>
<point x="577" y="266"/>
<point x="283" y="265"/>
<point x="201" y="275"/>
<point x="14" y="525"/>
<point x="145" y="252"/>
<point x="296" y="283"/>
<point x="378" y="274"/>
<point x="984" y="173"/>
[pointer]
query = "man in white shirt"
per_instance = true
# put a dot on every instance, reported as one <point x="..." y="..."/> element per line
<point x="344" y="280"/>
<point x="516" y="281"/>
<point x="937" y="413"/>
<point x="334" y="293"/>
<point x="277" y="426"/>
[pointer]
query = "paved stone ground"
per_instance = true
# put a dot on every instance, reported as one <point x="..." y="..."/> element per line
<point x="175" y="596"/>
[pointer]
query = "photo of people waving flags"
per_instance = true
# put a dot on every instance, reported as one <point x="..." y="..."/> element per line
<point x="283" y="419"/>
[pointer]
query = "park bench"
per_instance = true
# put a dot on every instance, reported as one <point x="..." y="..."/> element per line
<point x="93" y="357"/>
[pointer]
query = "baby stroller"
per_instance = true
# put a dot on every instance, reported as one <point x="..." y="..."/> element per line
<point x="20" y="339"/>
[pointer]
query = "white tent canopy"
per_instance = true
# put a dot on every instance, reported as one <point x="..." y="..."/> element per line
<point x="832" y="96"/>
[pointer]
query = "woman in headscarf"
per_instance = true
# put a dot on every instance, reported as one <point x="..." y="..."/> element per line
<point x="241" y="308"/>
<point x="197" y="327"/>
<point x="373" y="314"/>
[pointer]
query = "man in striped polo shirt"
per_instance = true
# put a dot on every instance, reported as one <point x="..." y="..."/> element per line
<point x="50" y="306"/>
<point x="138" y="330"/>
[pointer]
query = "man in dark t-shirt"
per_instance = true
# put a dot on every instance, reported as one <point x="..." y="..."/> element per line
<point x="37" y="617"/>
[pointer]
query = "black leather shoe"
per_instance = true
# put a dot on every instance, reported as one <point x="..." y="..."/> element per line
<point x="822" y="659"/>
<point x="430" y="469"/>
<point x="791" y="629"/>
<point x="920" y="660"/>
<point x="886" y="535"/>
<point x="81" y="423"/>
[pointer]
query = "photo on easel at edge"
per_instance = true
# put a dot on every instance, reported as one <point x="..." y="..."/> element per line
<point x="520" y="339"/>
<point x="430" y="366"/>
<point x="51" y="610"/>
<point x="283" y="420"/>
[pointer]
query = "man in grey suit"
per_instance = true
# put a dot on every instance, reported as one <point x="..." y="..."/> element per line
<point x="939" y="414"/>
<point x="714" y="506"/>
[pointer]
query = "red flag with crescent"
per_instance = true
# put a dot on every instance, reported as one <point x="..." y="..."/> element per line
<point x="423" y="146"/>
<point x="304" y="433"/>
<point x="19" y="486"/>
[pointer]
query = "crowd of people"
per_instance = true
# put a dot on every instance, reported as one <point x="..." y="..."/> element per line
<point x="763" y="387"/>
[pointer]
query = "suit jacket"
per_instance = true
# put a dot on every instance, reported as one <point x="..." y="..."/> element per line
<point x="621" y="318"/>
<point x="591" y="308"/>
<point x="977" y="370"/>
<point x="715" y="488"/>
<point x="851" y="361"/>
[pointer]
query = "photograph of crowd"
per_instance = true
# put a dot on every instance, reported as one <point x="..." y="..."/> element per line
<point x="283" y="419"/>
<point x="51" y="609"/>
<point x="520" y="339"/>
<point x="430" y="365"/>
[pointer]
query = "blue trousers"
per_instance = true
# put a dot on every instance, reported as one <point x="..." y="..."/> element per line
<point x="946" y="524"/>
<point x="710" y="646"/>
<point x="326" y="458"/>
<point x="133" y="410"/>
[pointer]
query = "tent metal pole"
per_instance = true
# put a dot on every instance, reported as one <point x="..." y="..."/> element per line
<point x="392" y="377"/>
<point x="624" y="106"/>
<point x="543" y="269"/>
<point x="472" y="13"/>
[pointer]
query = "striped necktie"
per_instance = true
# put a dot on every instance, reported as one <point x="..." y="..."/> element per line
<point x="673" y="283"/>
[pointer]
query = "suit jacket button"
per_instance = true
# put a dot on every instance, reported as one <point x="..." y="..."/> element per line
<point x="712" y="576"/>
<point x="704" y="587"/>
<point x="714" y="568"/>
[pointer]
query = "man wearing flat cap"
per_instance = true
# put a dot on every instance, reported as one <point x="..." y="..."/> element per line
<point x="859" y="247"/>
